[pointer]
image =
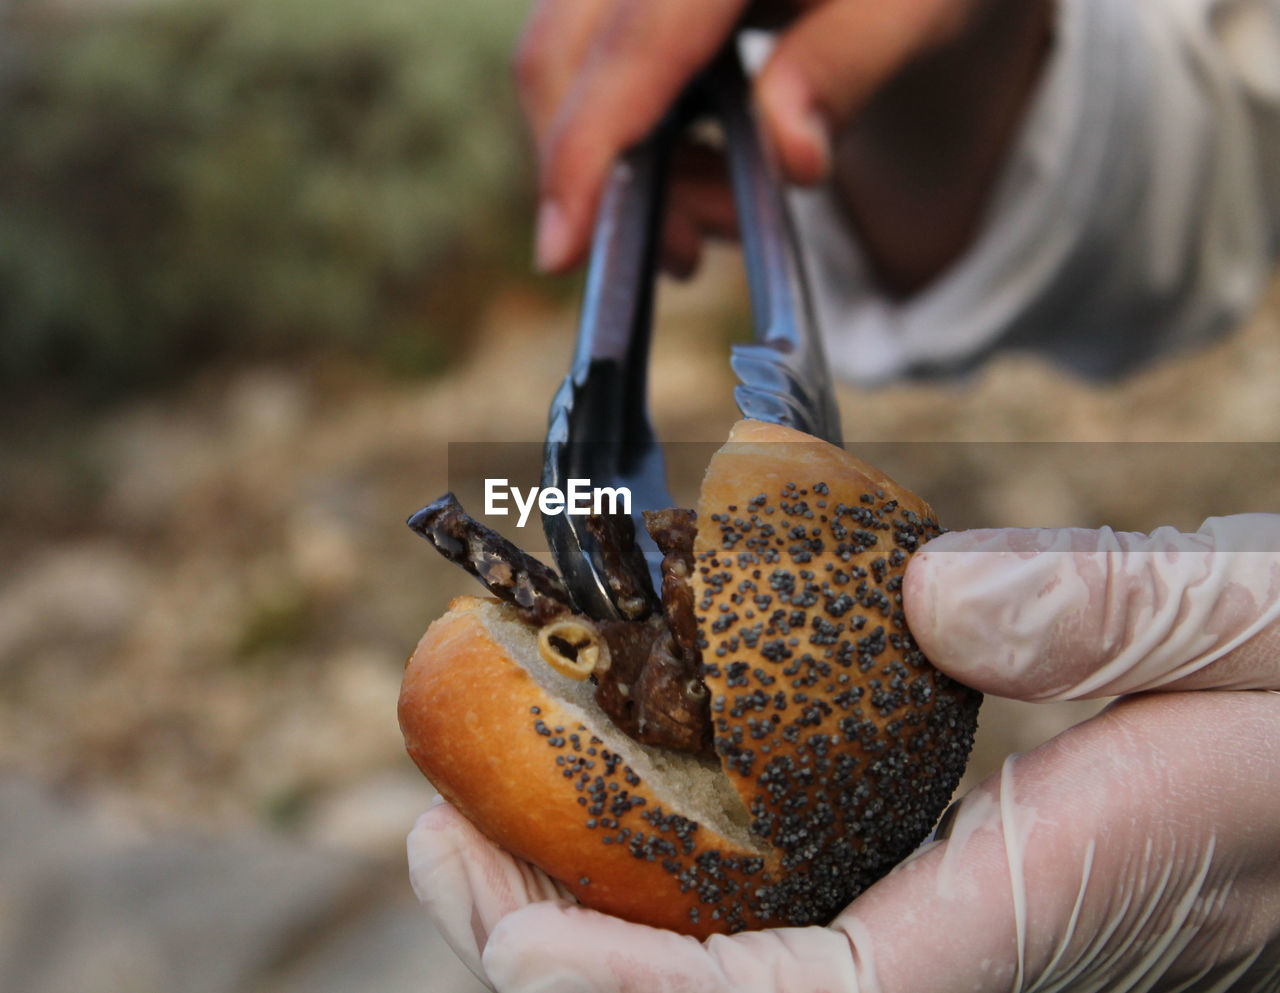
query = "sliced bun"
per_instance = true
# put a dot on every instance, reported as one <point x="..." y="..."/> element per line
<point x="844" y="743"/>
<point x="838" y="744"/>
<point x="528" y="757"/>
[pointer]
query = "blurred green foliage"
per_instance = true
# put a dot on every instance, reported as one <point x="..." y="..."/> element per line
<point x="182" y="179"/>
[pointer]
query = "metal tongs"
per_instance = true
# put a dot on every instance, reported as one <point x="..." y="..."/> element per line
<point x="599" y="428"/>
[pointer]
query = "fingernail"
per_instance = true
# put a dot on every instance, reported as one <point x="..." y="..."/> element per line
<point x="551" y="243"/>
<point x="798" y="122"/>
<point x="813" y="126"/>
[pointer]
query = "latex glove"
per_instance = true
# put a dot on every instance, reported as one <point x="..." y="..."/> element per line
<point x="911" y="105"/>
<point x="1139" y="851"/>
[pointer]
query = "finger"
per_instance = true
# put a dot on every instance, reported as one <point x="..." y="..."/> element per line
<point x="1065" y="614"/>
<point x="681" y="245"/>
<point x="700" y="190"/>
<point x="565" y="948"/>
<point x="831" y="62"/>
<point x="699" y="206"/>
<point x="550" y="52"/>
<point x="466" y="883"/>
<point x="1133" y="852"/>
<point x="641" y="56"/>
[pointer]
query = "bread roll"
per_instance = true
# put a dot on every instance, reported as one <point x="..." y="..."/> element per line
<point x="837" y="743"/>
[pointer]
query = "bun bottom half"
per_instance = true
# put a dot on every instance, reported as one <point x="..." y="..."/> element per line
<point x="627" y="829"/>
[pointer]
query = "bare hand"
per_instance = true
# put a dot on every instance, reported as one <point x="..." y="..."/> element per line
<point x="909" y="106"/>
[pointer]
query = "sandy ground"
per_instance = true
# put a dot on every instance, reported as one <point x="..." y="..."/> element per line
<point x="208" y="595"/>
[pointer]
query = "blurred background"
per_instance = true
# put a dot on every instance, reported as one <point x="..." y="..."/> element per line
<point x="261" y="261"/>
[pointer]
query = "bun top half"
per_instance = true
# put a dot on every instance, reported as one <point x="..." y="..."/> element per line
<point x="843" y="741"/>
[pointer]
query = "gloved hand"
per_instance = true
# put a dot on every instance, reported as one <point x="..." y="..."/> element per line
<point x="1138" y="851"/>
<point x="911" y="106"/>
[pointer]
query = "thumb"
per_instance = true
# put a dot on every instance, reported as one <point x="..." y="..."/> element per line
<point x="466" y="884"/>
<point x="1073" y="613"/>
<point x="569" y="949"/>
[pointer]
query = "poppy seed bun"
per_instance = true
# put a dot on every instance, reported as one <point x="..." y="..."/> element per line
<point x="527" y="756"/>
<point x="844" y="743"/>
<point x="838" y="744"/>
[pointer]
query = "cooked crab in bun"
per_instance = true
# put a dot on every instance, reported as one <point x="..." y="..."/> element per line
<point x="752" y="746"/>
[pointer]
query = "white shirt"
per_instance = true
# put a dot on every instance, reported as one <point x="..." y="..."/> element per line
<point x="1139" y="211"/>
